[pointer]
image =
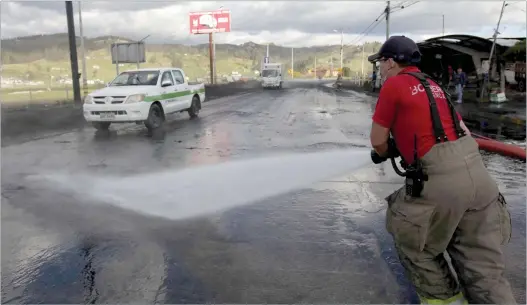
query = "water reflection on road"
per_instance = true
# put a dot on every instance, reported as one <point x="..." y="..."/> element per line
<point x="326" y="243"/>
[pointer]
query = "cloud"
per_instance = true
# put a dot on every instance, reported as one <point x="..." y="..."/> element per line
<point x="287" y="23"/>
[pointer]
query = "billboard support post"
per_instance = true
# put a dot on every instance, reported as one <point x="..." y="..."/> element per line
<point x="210" y="22"/>
<point x="128" y="53"/>
<point x="211" y="58"/>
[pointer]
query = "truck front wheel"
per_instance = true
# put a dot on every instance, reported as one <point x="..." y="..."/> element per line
<point x="155" y="118"/>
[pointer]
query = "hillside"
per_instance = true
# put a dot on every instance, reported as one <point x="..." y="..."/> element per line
<point x="45" y="58"/>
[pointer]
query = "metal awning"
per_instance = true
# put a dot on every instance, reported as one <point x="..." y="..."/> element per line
<point x="478" y="44"/>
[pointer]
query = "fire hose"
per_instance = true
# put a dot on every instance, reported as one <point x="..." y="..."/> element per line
<point x="485" y="144"/>
<point x="504" y="149"/>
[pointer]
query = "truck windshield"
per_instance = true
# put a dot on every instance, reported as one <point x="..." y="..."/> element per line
<point x="269" y="73"/>
<point x="136" y="78"/>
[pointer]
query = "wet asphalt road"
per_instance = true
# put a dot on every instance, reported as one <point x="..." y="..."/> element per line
<point x="324" y="244"/>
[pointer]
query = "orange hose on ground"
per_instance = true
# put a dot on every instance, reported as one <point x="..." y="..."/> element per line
<point x="504" y="149"/>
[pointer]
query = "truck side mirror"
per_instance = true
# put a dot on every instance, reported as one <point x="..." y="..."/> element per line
<point x="166" y="83"/>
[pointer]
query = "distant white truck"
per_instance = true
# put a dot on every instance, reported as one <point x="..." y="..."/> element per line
<point x="146" y="96"/>
<point x="272" y="75"/>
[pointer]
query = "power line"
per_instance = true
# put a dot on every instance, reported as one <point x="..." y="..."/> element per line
<point x="377" y="21"/>
<point x="402" y="4"/>
<point x="402" y="7"/>
<point x="368" y="29"/>
<point x="373" y="28"/>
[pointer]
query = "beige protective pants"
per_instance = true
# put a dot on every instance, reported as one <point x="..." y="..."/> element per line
<point x="461" y="212"/>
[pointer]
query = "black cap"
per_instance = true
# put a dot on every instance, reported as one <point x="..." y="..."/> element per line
<point x="401" y="48"/>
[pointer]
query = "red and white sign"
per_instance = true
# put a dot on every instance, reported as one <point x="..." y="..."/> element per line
<point x="210" y="22"/>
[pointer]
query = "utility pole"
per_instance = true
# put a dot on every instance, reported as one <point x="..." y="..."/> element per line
<point x="443" y="24"/>
<point x="362" y="64"/>
<point x="331" y="61"/>
<point x="73" y="53"/>
<point x="387" y="11"/>
<point x="485" y="81"/>
<point x="341" y="47"/>
<point x="292" y="64"/>
<point x="267" y="53"/>
<point x="83" y="54"/>
<point x="315" y="66"/>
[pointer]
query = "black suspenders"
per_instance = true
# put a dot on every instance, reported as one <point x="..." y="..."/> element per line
<point x="439" y="132"/>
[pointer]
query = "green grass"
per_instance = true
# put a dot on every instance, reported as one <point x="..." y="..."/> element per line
<point x="35" y="95"/>
<point x="196" y="65"/>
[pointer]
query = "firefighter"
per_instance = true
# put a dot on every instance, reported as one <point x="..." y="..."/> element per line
<point x="450" y="204"/>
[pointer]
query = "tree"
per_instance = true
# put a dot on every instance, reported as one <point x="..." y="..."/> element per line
<point x="516" y="52"/>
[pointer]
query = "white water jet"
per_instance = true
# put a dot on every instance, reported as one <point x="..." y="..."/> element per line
<point x="202" y="190"/>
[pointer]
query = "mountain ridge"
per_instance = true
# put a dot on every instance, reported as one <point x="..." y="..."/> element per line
<point x="27" y="49"/>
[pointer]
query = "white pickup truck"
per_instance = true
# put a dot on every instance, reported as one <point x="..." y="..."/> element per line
<point x="146" y="96"/>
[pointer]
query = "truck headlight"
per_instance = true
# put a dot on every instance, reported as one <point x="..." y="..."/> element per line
<point x="134" y="98"/>
<point x="88" y="100"/>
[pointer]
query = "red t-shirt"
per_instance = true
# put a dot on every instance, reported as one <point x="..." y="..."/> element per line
<point x="403" y="107"/>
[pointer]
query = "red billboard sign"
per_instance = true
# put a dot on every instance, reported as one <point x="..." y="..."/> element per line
<point x="210" y="22"/>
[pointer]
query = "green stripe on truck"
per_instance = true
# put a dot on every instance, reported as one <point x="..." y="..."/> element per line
<point x="172" y="95"/>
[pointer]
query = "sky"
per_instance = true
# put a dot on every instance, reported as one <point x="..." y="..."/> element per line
<point x="286" y="23"/>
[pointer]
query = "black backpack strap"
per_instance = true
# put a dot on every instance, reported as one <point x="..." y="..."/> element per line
<point x="457" y="125"/>
<point x="439" y="132"/>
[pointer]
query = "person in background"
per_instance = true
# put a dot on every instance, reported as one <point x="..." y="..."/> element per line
<point x="338" y="82"/>
<point x="373" y="80"/>
<point x="450" y="205"/>
<point x="450" y="71"/>
<point x="460" y="80"/>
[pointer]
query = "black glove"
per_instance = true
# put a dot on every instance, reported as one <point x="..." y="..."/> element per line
<point x="375" y="158"/>
<point x="393" y="152"/>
